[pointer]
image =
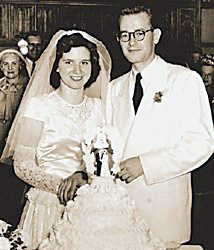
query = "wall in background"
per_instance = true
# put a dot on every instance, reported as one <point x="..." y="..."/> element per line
<point x="185" y="23"/>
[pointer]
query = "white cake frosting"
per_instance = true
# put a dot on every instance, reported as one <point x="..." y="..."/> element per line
<point x="102" y="216"/>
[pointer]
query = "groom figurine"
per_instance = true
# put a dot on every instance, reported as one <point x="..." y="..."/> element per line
<point x="162" y="113"/>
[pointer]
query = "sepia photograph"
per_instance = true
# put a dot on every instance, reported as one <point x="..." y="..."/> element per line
<point x="106" y="124"/>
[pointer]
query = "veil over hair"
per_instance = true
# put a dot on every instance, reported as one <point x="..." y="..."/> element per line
<point x="39" y="83"/>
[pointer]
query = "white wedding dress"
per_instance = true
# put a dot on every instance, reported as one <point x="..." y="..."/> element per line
<point x="57" y="155"/>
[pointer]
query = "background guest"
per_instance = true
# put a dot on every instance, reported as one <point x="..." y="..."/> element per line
<point x="194" y="59"/>
<point x="34" y="48"/>
<point x="12" y="87"/>
<point x="207" y="73"/>
<point x="202" y="178"/>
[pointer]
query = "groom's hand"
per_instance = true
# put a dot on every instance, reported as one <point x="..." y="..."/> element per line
<point x="68" y="187"/>
<point x="130" y="169"/>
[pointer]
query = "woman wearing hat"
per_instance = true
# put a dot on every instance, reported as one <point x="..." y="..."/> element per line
<point x="12" y="86"/>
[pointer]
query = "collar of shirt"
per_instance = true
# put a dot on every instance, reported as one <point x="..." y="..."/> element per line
<point x="29" y="65"/>
<point x="5" y="86"/>
<point x="146" y="74"/>
<point x="29" y="61"/>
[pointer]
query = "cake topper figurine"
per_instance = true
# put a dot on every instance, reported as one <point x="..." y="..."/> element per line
<point x="102" y="151"/>
<point x="101" y="154"/>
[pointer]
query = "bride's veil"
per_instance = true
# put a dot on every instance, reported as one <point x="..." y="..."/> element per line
<point x="39" y="83"/>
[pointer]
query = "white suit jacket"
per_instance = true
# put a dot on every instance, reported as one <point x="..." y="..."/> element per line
<point x="171" y="137"/>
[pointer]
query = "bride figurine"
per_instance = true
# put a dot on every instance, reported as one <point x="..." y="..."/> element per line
<point x="101" y="155"/>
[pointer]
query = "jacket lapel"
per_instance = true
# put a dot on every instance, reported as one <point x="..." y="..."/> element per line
<point x="123" y="108"/>
<point x="135" y="141"/>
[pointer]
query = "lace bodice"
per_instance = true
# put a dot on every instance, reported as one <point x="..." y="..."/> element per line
<point x="58" y="153"/>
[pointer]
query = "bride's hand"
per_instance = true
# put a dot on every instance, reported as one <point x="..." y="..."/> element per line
<point x="68" y="187"/>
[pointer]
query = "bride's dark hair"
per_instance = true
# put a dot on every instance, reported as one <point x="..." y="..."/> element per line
<point x="64" y="45"/>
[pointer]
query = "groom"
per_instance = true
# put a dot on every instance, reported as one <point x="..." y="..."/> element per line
<point x="163" y="115"/>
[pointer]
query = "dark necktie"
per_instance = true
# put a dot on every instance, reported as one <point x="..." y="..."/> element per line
<point x="138" y="92"/>
<point x="33" y="67"/>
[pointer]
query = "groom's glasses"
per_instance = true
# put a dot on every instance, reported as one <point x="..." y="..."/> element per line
<point x="138" y="35"/>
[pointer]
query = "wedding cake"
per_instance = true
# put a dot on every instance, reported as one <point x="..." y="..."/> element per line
<point x="102" y="216"/>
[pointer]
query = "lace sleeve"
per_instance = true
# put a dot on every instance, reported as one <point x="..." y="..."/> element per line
<point x="26" y="169"/>
<point x="25" y="161"/>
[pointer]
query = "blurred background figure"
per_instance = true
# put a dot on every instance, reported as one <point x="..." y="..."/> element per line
<point x="12" y="87"/>
<point x="34" y="48"/>
<point x="202" y="178"/>
<point x="194" y="59"/>
<point x="207" y="69"/>
<point x="207" y="73"/>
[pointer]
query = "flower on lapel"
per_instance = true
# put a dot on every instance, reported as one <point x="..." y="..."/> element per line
<point x="158" y="96"/>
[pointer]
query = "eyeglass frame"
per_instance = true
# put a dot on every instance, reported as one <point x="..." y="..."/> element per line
<point x="133" y="33"/>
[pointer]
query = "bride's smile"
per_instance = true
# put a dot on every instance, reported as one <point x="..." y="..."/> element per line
<point x="75" y="67"/>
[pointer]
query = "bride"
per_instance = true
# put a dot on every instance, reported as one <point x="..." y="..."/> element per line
<point x="45" y="140"/>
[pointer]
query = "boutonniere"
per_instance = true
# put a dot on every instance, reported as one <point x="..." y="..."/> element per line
<point x="158" y="96"/>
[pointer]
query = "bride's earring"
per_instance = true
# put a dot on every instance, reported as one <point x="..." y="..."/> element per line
<point x="57" y="70"/>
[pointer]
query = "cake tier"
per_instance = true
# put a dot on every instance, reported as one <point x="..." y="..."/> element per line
<point x="102" y="217"/>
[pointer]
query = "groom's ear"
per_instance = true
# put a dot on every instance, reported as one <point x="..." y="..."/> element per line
<point x="157" y="34"/>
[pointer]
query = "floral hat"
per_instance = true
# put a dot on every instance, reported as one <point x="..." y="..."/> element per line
<point x="12" y="51"/>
